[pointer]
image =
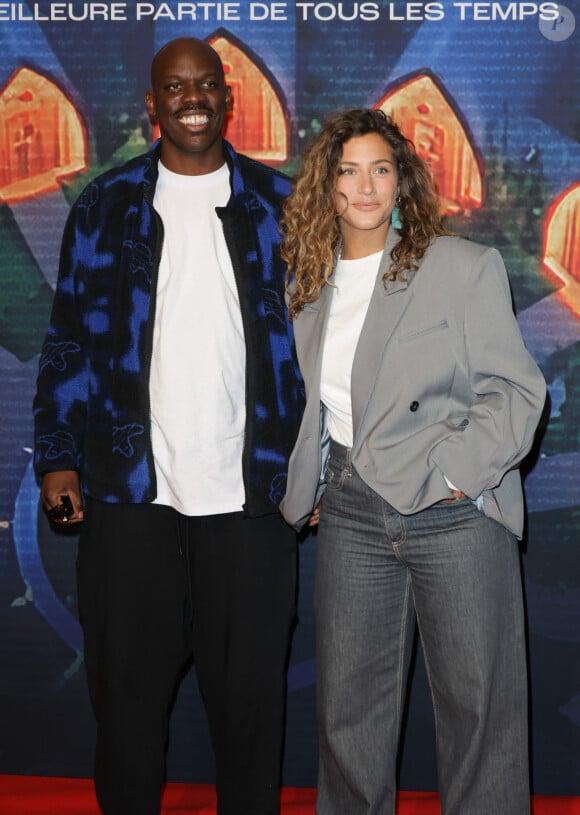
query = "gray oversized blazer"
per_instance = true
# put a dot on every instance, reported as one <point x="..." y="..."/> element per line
<point x="442" y="385"/>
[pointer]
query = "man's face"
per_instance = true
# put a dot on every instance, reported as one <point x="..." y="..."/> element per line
<point x="189" y="101"/>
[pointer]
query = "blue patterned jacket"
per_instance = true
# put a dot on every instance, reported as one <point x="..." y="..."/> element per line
<point x="92" y="403"/>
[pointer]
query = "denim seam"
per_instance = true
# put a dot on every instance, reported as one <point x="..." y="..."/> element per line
<point x="402" y="640"/>
<point x="396" y="544"/>
<point x="429" y="679"/>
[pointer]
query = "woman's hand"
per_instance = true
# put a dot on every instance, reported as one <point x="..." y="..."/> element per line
<point x="315" y="517"/>
<point x="457" y="496"/>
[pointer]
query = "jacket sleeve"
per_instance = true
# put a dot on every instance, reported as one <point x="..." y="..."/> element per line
<point x="60" y="402"/>
<point x="509" y="390"/>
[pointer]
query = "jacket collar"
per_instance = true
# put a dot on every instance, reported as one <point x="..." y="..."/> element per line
<point x="380" y="322"/>
<point x="390" y="286"/>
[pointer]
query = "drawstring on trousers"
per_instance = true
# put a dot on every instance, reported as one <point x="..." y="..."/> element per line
<point x="183" y="546"/>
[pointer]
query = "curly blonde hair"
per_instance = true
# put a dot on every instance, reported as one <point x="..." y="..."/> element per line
<point x="310" y="224"/>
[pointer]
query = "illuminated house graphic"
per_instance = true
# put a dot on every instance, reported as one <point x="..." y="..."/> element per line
<point x="422" y="111"/>
<point x="257" y="124"/>
<point x="561" y="255"/>
<point x="41" y="138"/>
<point x="509" y="101"/>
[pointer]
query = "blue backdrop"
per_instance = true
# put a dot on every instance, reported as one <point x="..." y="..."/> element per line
<point x="504" y="76"/>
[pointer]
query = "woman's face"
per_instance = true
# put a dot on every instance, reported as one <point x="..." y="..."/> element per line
<point x="366" y="189"/>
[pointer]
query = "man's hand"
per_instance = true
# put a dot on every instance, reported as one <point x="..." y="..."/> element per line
<point x="56" y="486"/>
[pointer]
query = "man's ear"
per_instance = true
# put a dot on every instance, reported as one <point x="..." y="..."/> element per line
<point x="229" y="99"/>
<point x="150" y="105"/>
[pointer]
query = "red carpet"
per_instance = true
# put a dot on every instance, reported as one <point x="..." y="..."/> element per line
<point x="25" y="795"/>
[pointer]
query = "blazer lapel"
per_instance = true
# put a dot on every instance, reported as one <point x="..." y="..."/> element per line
<point x="309" y="331"/>
<point x="385" y="310"/>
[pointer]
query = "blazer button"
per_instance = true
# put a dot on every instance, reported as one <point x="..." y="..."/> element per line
<point x="414" y="407"/>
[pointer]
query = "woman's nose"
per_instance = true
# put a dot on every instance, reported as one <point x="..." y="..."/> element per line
<point x="366" y="183"/>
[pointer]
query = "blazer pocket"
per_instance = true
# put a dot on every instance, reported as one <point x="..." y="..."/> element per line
<point x="426" y="360"/>
<point x="423" y="331"/>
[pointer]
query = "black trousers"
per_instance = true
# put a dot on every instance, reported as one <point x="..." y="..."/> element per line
<point x="156" y="589"/>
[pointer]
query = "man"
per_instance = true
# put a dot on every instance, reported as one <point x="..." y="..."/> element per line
<point x="168" y="394"/>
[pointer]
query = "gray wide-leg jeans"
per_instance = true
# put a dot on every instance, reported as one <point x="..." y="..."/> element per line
<point x="457" y="573"/>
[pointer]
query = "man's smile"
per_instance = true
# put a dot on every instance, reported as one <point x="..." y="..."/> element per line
<point x="194" y="118"/>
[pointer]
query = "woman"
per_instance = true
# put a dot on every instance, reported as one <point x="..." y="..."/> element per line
<point x="421" y="402"/>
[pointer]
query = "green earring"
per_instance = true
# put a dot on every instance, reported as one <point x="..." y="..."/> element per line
<point x="396" y="214"/>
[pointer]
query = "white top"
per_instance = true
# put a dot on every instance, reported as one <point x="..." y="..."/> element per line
<point x="354" y="281"/>
<point x="197" y="383"/>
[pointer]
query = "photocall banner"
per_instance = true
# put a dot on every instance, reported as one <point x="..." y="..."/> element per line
<point x="489" y="92"/>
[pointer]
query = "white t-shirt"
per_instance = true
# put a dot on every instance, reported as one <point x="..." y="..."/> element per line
<point x="354" y="281"/>
<point x="197" y="382"/>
